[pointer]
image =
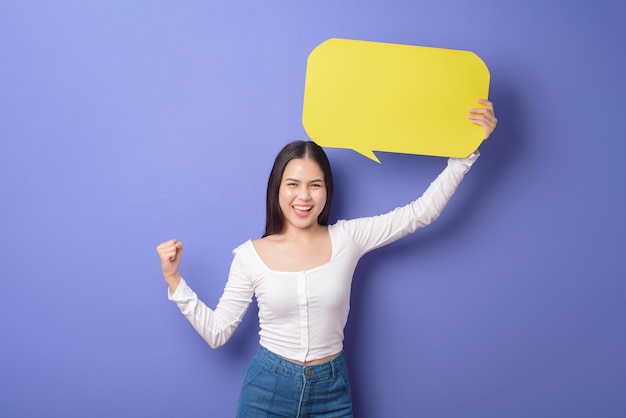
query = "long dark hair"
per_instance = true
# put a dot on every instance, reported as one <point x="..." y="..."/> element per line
<point x="275" y="220"/>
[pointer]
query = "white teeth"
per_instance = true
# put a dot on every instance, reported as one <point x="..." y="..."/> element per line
<point x="302" y="207"/>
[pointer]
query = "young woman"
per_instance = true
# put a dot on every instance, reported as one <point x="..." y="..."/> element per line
<point x="300" y="272"/>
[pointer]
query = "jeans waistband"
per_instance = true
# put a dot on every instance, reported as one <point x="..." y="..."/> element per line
<point x="279" y="365"/>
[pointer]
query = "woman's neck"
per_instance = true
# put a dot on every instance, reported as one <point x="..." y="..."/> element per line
<point x="293" y="234"/>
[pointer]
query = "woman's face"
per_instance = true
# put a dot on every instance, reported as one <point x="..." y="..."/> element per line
<point x="302" y="193"/>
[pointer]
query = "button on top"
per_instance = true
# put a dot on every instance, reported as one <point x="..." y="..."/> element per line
<point x="309" y="373"/>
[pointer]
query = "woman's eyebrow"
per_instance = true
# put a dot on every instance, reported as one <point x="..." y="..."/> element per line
<point x="312" y="181"/>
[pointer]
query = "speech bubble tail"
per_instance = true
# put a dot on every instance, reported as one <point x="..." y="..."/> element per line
<point x="369" y="154"/>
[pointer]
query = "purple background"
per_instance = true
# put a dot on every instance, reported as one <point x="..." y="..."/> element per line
<point x="126" y="123"/>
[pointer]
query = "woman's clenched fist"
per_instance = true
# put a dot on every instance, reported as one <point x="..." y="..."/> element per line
<point x="170" y="252"/>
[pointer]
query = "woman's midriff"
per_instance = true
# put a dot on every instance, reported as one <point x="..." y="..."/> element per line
<point x="316" y="361"/>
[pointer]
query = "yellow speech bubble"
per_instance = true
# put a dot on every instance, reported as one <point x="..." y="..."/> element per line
<point x="373" y="96"/>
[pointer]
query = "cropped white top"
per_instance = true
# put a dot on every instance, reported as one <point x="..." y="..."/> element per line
<point x="302" y="315"/>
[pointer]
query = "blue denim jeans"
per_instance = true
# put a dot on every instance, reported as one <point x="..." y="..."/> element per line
<point x="275" y="387"/>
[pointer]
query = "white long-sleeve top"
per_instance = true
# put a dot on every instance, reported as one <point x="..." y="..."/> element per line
<point x="302" y="315"/>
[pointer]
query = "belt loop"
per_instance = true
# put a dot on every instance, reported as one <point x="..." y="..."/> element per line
<point x="333" y="367"/>
<point x="276" y="365"/>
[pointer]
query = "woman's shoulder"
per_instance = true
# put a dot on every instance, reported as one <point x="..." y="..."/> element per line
<point x="268" y="243"/>
<point x="247" y="259"/>
<point x="245" y="249"/>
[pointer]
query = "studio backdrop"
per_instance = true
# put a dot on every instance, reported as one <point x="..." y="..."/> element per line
<point x="127" y="123"/>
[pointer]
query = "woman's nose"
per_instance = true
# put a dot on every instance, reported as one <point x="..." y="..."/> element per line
<point x="304" y="193"/>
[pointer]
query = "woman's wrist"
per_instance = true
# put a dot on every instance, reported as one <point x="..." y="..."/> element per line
<point x="172" y="280"/>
